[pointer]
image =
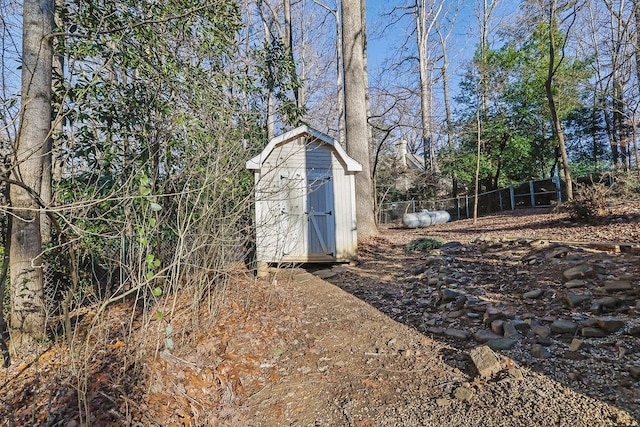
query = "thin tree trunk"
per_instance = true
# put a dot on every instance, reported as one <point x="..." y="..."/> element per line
<point x="339" y="69"/>
<point x="356" y="114"/>
<point x="340" y="79"/>
<point x="477" y="172"/>
<point x="52" y="167"/>
<point x="288" y="39"/>
<point x="423" y="30"/>
<point x="447" y="109"/>
<point x="27" y="294"/>
<point x="555" y="120"/>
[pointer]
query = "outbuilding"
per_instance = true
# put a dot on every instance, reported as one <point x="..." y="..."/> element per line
<point x="304" y="199"/>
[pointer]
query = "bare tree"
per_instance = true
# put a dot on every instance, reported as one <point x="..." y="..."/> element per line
<point x="427" y="13"/>
<point x="357" y="131"/>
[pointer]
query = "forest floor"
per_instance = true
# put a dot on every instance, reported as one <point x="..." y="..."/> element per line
<point x="522" y="319"/>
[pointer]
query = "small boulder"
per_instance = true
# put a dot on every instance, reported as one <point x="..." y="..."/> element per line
<point x="457" y="333"/>
<point x="501" y="343"/>
<point x="575" y="283"/>
<point x="575" y="300"/>
<point x="485" y="361"/>
<point x="576" y="344"/>
<point x="610" y="324"/>
<point x="578" y="272"/>
<point x="463" y="394"/>
<point x="484" y="335"/>
<point x="618" y="285"/>
<point x="562" y="326"/>
<point x="540" y="330"/>
<point x="534" y="294"/>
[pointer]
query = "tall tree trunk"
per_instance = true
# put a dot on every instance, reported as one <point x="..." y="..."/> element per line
<point x="27" y="294"/>
<point x="423" y="28"/>
<point x="555" y="120"/>
<point x="447" y="108"/>
<point x="356" y="114"/>
<point x="476" y="191"/>
<point x="340" y="79"/>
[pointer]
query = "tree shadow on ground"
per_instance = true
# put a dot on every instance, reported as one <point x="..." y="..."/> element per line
<point x="411" y="288"/>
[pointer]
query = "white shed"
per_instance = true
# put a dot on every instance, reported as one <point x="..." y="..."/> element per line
<point x="305" y="199"/>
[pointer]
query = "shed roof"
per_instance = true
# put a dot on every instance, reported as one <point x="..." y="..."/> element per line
<point x="256" y="162"/>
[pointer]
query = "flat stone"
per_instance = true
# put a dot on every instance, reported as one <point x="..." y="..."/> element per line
<point x="610" y="324"/>
<point x="534" y="294"/>
<point x="516" y="373"/>
<point x="575" y="283"/>
<point x="463" y="394"/>
<point x="501" y="343"/>
<point x="593" y="333"/>
<point x="325" y="274"/>
<point x="578" y="272"/>
<point x="484" y="335"/>
<point x="562" y="326"/>
<point x="557" y="252"/>
<point x="540" y="330"/>
<point x="576" y="344"/>
<point x="485" y="361"/>
<point x="540" y="352"/>
<point x="575" y="300"/>
<point x="617" y="285"/>
<point x="457" y="333"/>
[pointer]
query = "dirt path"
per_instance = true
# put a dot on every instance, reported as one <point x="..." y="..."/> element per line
<point x="351" y="365"/>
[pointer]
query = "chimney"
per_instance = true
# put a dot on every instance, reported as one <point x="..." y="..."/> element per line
<point x="401" y="153"/>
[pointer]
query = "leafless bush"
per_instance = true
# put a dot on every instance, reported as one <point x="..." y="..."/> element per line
<point x="589" y="203"/>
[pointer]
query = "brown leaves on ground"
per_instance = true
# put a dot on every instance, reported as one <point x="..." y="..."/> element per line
<point x="131" y="379"/>
<point x="255" y="349"/>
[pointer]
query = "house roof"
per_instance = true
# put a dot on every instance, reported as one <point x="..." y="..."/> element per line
<point x="415" y="162"/>
<point x="256" y="162"/>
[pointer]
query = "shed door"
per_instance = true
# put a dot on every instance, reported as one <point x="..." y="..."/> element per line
<point x="320" y="209"/>
<point x="292" y="221"/>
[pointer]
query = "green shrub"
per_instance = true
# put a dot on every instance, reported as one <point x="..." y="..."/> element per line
<point x="423" y="244"/>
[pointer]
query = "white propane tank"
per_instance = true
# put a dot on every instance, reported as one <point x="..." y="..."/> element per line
<point x="425" y="218"/>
